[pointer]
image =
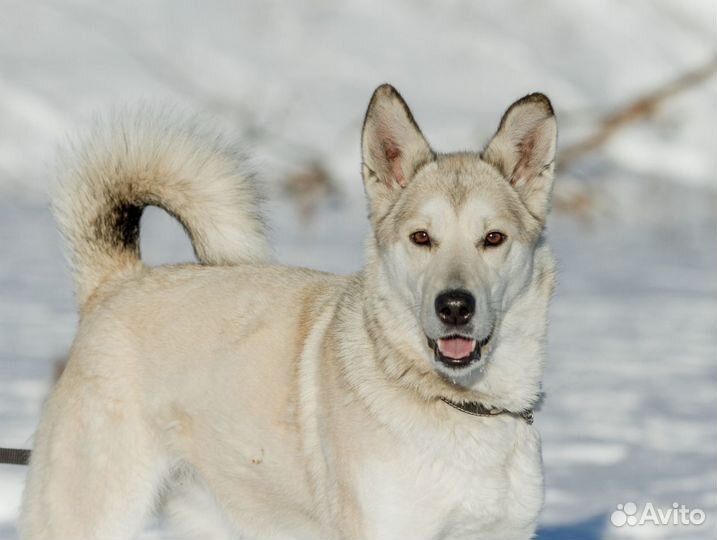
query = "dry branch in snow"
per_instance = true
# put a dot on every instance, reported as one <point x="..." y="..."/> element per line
<point x="640" y="108"/>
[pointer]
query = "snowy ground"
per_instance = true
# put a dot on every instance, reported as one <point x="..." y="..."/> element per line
<point x="631" y="408"/>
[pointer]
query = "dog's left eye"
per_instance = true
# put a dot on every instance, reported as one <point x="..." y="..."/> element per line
<point x="493" y="239"/>
<point x="421" y="238"/>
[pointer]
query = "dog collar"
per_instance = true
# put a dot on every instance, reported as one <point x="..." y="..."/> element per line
<point x="478" y="409"/>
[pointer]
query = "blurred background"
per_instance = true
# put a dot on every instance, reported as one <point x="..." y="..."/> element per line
<point x="630" y="413"/>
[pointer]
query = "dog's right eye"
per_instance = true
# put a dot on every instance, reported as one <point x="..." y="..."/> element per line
<point x="421" y="238"/>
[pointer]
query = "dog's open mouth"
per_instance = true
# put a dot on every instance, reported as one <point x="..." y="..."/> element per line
<point x="457" y="351"/>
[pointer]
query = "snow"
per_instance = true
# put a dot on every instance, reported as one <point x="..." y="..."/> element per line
<point x="631" y="390"/>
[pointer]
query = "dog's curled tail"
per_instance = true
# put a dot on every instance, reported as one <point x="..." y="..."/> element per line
<point x="145" y="158"/>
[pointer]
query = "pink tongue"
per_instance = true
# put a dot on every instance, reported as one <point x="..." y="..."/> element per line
<point x="456" y="348"/>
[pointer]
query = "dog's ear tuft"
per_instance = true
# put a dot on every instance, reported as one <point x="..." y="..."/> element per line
<point x="392" y="145"/>
<point x="523" y="150"/>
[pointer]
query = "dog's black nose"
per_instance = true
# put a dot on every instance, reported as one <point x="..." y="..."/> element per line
<point x="455" y="307"/>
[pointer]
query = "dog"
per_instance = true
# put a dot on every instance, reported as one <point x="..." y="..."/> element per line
<point x="286" y="403"/>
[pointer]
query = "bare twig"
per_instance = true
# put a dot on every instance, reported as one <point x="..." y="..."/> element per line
<point x="309" y="187"/>
<point x="638" y="109"/>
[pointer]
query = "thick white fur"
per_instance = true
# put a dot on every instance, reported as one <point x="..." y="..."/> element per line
<point x="161" y="158"/>
<point x="280" y="402"/>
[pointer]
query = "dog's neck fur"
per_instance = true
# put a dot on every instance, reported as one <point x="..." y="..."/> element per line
<point x="512" y="378"/>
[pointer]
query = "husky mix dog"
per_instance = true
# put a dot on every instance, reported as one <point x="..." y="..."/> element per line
<point x="283" y="403"/>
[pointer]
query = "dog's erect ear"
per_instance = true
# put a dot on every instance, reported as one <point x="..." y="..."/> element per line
<point x="392" y="145"/>
<point x="523" y="150"/>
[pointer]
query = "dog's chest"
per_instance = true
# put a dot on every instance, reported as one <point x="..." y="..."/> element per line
<point x="487" y="485"/>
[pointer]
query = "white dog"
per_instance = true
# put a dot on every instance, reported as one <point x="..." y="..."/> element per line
<point x="288" y="403"/>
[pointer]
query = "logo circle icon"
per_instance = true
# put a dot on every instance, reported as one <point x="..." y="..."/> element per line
<point x="618" y="517"/>
<point x="624" y="515"/>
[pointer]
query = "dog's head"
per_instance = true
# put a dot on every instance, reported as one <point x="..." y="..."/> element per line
<point x="458" y="239"/>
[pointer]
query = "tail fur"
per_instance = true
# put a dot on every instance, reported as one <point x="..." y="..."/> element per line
<point x="149" y="158"/>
